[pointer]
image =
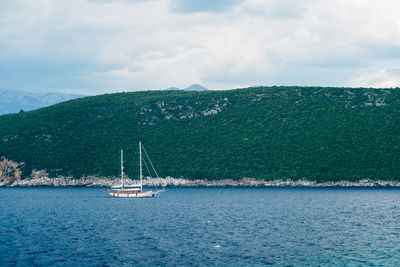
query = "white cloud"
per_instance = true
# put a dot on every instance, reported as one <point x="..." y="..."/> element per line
<point x="104" y="45"/>
<point x="379" y="79"/>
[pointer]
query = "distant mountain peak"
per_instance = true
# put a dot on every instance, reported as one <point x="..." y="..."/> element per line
<point x="193" y="87"/>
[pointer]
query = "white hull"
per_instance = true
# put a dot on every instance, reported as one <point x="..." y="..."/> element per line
<point x="134" y="194"/>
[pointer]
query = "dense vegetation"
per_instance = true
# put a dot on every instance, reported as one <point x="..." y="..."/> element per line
<point x="266" y="132"/>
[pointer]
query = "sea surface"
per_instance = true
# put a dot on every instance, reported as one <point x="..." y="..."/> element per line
<point x="201" y="226"/>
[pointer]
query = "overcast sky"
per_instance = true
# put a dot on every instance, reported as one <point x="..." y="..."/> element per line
<point x="98" y="46"/>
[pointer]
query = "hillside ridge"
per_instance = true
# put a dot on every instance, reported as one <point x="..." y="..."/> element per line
<point x="13" y="101"/>
<point x="312" y="133"/>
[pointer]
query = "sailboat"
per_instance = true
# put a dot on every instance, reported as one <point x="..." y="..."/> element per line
<point x="136" y="190"/>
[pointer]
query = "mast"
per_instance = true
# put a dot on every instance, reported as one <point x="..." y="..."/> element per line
<point x="122" y="168"/>
<point x="140" y="165"/>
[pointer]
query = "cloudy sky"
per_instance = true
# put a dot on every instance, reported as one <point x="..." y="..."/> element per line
<point x="98" y="46"/>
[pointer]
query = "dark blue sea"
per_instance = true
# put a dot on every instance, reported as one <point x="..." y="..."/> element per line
<point x="201" y="226"/>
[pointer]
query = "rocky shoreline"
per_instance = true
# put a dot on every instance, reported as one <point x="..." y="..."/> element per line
<point x="92" y="181"/>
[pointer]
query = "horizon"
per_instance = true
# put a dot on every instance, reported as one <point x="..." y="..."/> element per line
<point x="173" y="88"/>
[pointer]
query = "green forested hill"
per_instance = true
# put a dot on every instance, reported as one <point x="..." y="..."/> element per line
<point x="266" y="132"/>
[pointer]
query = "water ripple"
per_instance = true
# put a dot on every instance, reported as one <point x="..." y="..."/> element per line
<point x="200" y="226"/>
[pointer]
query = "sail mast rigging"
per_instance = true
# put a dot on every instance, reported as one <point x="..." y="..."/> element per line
<point x="122" y="168"/>
<point x="140" y="165"/>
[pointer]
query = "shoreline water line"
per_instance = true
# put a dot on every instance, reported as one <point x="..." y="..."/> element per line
<point x="92" y="181"/>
